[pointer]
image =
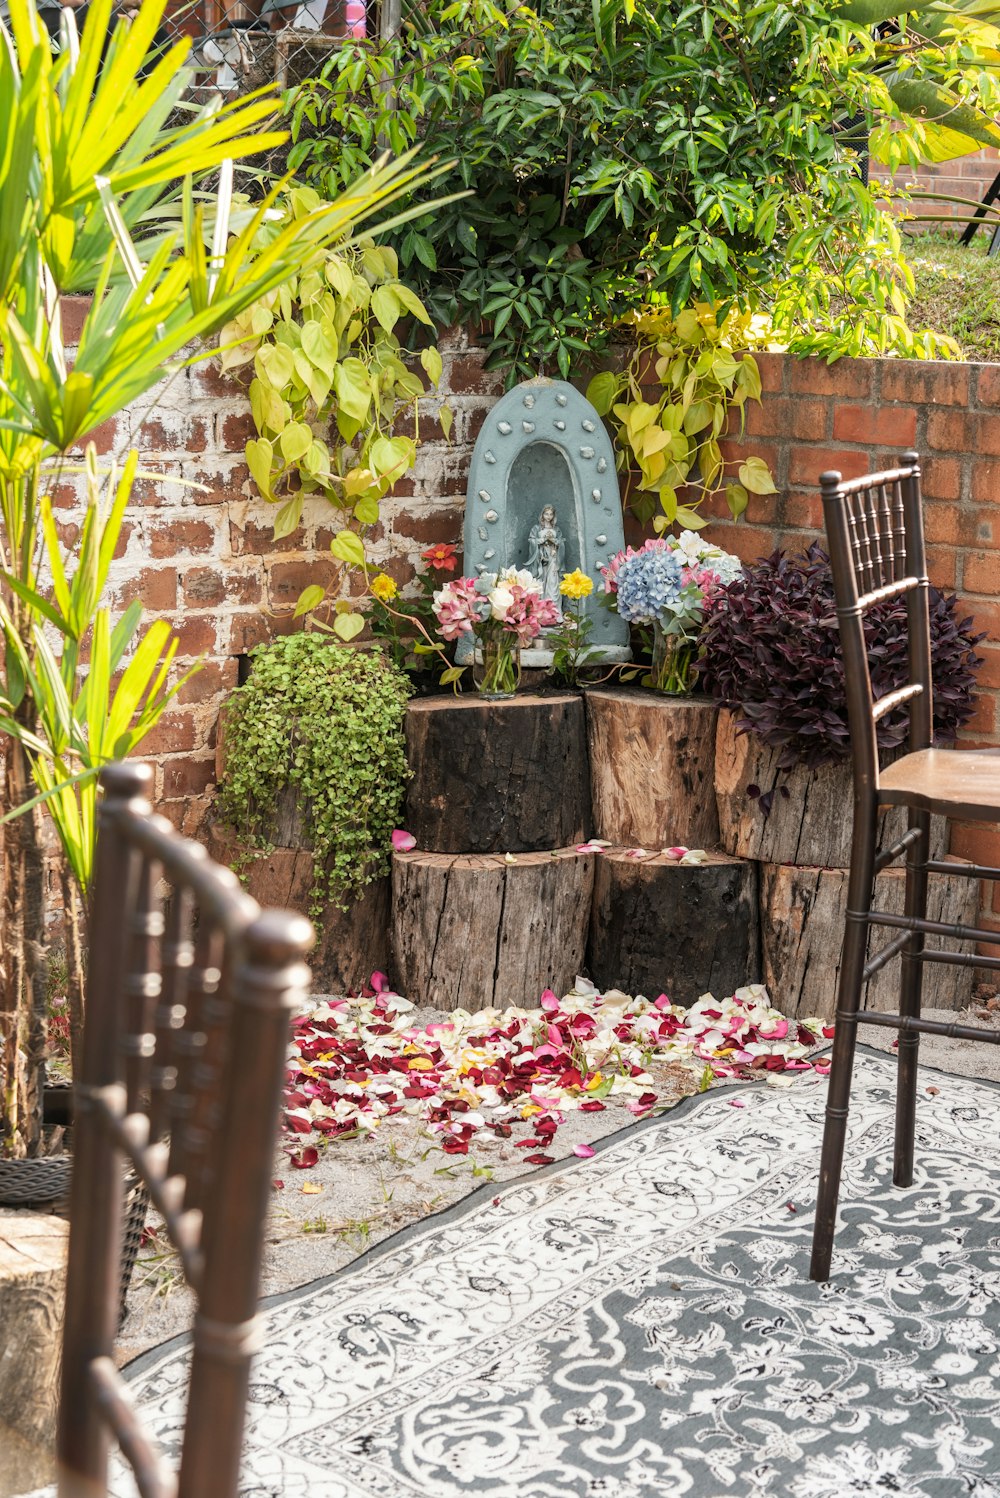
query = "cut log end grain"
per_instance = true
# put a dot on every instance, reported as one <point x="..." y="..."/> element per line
<point x="657" y="927"/>
<point x="802" y="915"/>
<point x="488" y="777"/>
<point x="652" y="762"/>
<point x="478" y="931"/>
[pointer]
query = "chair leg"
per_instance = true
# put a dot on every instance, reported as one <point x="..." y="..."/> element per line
<point x="910" y="986"/>
<point x="852" y="962"/>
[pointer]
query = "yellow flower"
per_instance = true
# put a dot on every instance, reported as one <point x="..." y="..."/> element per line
<point x="383" y="587"/>
<point x="576" y="584"/>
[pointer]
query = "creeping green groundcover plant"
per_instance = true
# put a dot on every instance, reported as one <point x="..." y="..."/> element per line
<point x="328" y="721"/>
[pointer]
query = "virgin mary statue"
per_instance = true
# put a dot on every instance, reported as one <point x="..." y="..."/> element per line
<point x="547" y="554"/>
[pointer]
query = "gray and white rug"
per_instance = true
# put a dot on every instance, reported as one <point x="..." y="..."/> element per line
<point x="641" y="1324"/>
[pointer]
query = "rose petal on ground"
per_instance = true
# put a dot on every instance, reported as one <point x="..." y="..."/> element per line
<point x="307" y="1159"/>
<point x="403" y="841"/>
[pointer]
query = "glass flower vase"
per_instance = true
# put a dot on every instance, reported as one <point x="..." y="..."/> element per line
<point x="673" y="662"/>
<point x="498" y="675"/>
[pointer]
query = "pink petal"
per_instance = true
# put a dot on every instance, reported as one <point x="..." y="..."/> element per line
<point x="675" y="853"/>
<point x="584" y="1151"/>
<point x="403" y="841"/>
<point x="737" y="1102"/>
<point x="379" y="981"/>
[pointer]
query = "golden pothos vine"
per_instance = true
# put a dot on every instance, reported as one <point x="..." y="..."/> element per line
<point x="330" y="385"/>
<point x="706" y="373"/>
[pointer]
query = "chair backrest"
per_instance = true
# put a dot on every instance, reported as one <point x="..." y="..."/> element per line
<point x="190" y="990"/>
<point x="875" y="531"/>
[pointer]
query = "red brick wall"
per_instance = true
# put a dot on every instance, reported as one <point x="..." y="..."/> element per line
<point x="856" y="416"/>
<point x="965" y="177"/>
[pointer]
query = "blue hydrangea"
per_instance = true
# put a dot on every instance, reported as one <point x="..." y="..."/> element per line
<point x="650" y="586"/>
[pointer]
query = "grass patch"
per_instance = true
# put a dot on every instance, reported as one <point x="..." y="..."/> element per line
<point x="958" y="293"/>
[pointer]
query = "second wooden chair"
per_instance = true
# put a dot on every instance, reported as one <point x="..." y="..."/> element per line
<point x="876" y="536"/>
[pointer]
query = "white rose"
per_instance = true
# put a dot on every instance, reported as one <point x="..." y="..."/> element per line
<point x="691" y="548"/>
<point x="500" y="600"/>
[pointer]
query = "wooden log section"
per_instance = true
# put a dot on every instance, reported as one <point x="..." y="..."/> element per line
<point x="351" y="944"/>
<point x="802" y="919"/>
<point x="651" y="768"/>
<point x="809" y="822"/>
<point x="476" y="931"/>
<point x="32" y="1286"/>
<point x="497" y="777"/>
<point x="656" y="927"/>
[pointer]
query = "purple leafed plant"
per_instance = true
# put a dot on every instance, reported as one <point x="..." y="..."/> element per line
<point x="771" y="653"/>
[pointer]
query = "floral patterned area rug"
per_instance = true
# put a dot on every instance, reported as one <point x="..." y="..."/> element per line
<point x="641" y="1324"/>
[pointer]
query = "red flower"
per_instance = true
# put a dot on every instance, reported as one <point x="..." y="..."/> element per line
<point x="440" y="558"/>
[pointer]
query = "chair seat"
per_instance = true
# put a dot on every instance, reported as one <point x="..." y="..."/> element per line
<point x="961" y="783"/>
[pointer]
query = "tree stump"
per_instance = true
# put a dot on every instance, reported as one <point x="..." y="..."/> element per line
<point x="651" y="768"/>
<point x="802" y="919"/>
<point x="351" y="944"/>
<point x="477" y="931"/>
<point x="32" y="1285"/>
<point x="809" y="821"/>
<point x="656" y="927"/>
<point x="497" y="777"/>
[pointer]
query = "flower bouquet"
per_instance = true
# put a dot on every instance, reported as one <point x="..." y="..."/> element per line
<point x="503" y="611"/>
<point x="670" y="583"/>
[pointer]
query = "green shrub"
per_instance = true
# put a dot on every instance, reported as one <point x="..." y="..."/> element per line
<point x="328" y="721"/>
<point x="619" y="152"/>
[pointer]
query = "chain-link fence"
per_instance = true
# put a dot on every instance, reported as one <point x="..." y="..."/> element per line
<point x="241" y="45"/>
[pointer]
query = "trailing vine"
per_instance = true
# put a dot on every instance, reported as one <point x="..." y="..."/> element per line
<point x="689" y="378"/>
<point x="329" y="722"/>
<point x="330" y="385"/>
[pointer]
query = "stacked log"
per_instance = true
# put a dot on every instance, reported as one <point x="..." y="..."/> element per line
<point x="802" y="913"/>
<point x="351" y="944"/>
<point x="33" y="1249"/>
<point x="651" y="768"/>
<point x="489" y="930"/>
<point x="497" y="777"/>
<point x="800" y="833"/>
<point x="493" y="906"/>
<point x="657" y="926"/>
